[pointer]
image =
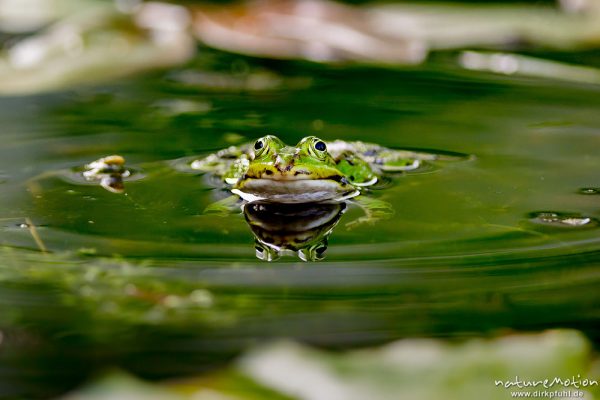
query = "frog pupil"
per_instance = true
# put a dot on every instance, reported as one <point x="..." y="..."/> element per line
<point x="258" y="145"/>
<point x="320" y="146"/>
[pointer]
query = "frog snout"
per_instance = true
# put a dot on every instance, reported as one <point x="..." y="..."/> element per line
<point x="284" y="164"/>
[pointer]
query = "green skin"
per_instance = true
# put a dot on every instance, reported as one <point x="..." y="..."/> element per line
<point x="274" y="160"/>
<point x="311" y="171"/>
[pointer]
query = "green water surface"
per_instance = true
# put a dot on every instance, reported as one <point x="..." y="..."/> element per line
<point x="149" y="283"/>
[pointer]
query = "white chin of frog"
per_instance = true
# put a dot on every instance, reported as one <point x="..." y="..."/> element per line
<point x="294" y="191"/>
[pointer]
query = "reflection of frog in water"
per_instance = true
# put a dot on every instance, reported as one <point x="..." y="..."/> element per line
<point x="292" y="228"/>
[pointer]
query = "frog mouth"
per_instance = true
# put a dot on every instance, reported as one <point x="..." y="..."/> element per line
<point x="294" y="190"/>
<point x="294" y="175"/>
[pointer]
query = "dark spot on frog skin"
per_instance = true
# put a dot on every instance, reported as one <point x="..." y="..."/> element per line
<point x="351" y="177"/>
<point x="286" y="169"/>
<point x="303" y="172"/>
<point x="268" y="172"/>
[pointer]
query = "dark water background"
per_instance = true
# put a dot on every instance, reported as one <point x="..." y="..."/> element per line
<point x="147" y="282"/>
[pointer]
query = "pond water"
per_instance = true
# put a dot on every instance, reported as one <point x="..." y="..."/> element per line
<point x="506" y="239"/>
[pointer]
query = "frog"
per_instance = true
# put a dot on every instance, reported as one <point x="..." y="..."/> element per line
<point x="311" y="171"/>
<point x="294" y="196"/>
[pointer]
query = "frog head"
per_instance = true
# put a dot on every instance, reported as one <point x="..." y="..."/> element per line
<point x="293" y="174"/>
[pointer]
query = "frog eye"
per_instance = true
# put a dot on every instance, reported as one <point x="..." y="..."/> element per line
<point x="318" y="147"/>
<point x="260" y="146"/>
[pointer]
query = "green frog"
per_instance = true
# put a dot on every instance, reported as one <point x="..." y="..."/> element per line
<point x="311" y="171"/>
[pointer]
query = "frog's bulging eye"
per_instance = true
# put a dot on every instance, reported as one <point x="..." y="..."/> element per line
<point x="260" y="146"/>
<point x="266" y="145"/>
<point x="315" y="147"/>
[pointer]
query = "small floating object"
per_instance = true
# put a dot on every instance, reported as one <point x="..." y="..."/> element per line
<point x="109" y="171"/>
<point x="107" y="164"/>
<point x="559" y="219"/>
<point x="589" y="191"/>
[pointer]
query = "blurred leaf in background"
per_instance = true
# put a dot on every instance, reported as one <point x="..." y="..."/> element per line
<point x="54" y="45"/>
<point x="408" y="369"/>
